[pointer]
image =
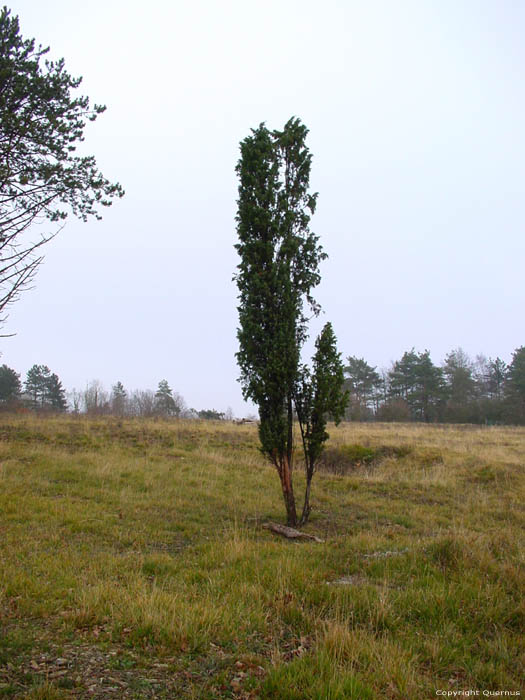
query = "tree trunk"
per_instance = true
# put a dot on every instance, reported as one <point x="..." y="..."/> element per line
<point x="289" y="499"/>
<point x="306" y="506"/>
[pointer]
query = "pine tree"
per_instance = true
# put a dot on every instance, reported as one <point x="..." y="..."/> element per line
<point x="363" y="383"/>
<point x="45" y="389"/>
<point x="10" y="386"/>
<point x="55" y="397"/>
<point x="36" y="384"/>
<point x="515" y="386"/>
<point x="41" y="177"/>
<point x="164" y="401"/>
<point x="118" y="399"/>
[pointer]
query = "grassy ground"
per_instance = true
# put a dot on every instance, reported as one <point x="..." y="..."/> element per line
<point x="133" y="563"/>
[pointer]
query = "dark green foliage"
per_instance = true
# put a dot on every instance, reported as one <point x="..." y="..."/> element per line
<point x="515" y="386"/>
<point x="278" y="270"/>
<point x="36" y="384"/>
<point x="167" y="403"/>
<point x="363" y="383"/>
<point x="461" y="386"/>
<point x="496" y="378"/>
<point x="41" y="123"/>
<point x="318" y="396"/>
<point x="462" y="390"/>
<point x="210" y="414"/>
<point x="325" y="398"/>
<point x="45" y="389"/>
<point x="164" y="403"/>
<point x="417" y="381"/>
<point x="55" y="394"/>
<point x="10" y="386"/>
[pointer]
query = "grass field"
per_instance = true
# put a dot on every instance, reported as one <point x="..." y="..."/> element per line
<point x="133" y="563"/>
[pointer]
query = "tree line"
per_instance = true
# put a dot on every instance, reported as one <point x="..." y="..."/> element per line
<point x="460" y="390"/>
<point x="42" y="391"/>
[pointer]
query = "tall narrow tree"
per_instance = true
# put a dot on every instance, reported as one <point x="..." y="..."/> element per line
<point x="278" y="270"/>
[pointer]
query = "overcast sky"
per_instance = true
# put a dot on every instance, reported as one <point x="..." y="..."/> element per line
<point x="416" y="113"/>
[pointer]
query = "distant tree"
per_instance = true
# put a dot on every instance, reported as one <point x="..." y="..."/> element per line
<point x="168" y="403"/>
<point x="180" y="405"/>
<point x="118" y="399"/>
<point x="45" y="389"/>
<point x="56" y="395"/>
<point x="75" y="400"/>
<point x="402" y="376"/>
<point x="142" y="403"/>
<point x="95" y="398"/>
<point x="41" y="124"/>
<point x="210" y="414"/>
<point x="489" y="379"/>
<point x="515" y="386"/>
<point x="362" y="383"/>
<point x="429" y="390"/>
<point x="10" y="386"/>
<point x="461" y="387"/>
<point x="278" y="269"/>
<point x="36" y="384"/>
<point x="417" y="381"/>
<point x="497" y="372"/>
<point x="481" y="377"/>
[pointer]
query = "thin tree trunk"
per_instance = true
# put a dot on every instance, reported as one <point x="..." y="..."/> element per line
<point x="306" y="506"/>
<point x="289" y="441"/>
<point x="287" y="486"/>
<point x="286" y="471"/>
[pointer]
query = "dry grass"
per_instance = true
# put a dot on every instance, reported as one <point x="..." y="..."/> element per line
<point x="133" y="564"/>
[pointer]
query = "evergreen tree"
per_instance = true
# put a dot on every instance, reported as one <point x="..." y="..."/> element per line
<point x="164" y="401"/>
<point x="461" y="387"/>
<point x="515" y="386"/>
<point x="419" y="383"/>
<point x="362" y="383"/>
<point x="45" y="389"/>
<point x="10" y="386"/>
<point x="429" y="389"/>
<point x="36" y="384"/>
<point x="497" y="371"/>
<point x="118" y="399"/>
<point x="279" y="267"/>
<point x="319" y="396"/>
<point x="55" y="397"/>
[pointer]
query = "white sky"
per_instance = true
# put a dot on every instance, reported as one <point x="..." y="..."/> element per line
<point x="416" y="113"/>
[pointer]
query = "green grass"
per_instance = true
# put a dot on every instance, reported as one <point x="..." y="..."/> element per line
<point x="133" y="563"/>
